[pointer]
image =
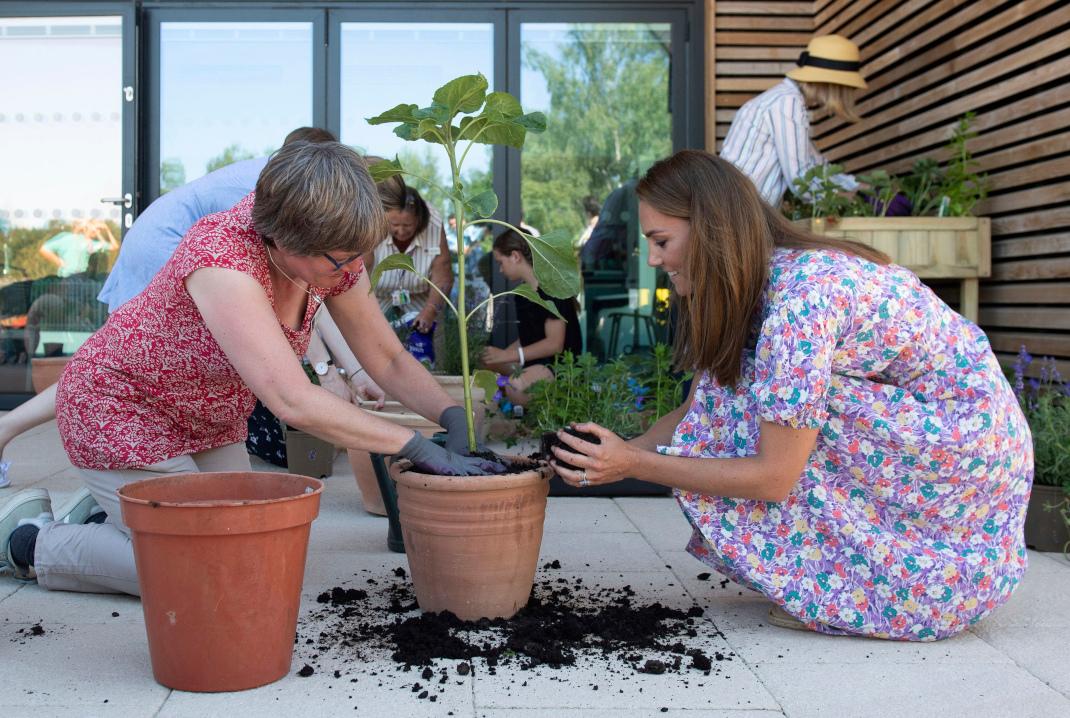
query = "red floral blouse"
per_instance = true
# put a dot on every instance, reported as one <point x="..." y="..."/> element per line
<point x="153" y="383"/>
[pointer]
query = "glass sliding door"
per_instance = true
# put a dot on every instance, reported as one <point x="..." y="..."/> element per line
<point x="65" y="189"/>
<point x="229" y="88"/>
<point x="607" y="88"/>
<point x="383" y="64"/>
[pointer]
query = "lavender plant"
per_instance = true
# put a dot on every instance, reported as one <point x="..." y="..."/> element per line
<point x="1045" y="401"/>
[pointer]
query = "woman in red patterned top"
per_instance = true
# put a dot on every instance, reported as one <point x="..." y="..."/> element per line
<point x="166" y="385"/>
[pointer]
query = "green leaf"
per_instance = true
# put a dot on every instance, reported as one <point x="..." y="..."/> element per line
<point x="503" y="133"/>
<point x="438" y="113"/>
<point x="483" y="204"/>
<point x="400" y="113"/>
<point x="532" y="122"/>
<point x="555" y="263"/>
<point x="502" y="105"/>
<point x="463" y="94"/>
<point x="394" y="261"/>
<point x="486" y="380"/>
<point x="385" y="169"/>
<point x="407" y="132"/>
<point x="526" y="291"/>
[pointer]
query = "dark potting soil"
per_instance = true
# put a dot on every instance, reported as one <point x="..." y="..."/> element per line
<point x="549" y="439"/>
<point x="512" y="465"/>
<point x="565" y="623"/>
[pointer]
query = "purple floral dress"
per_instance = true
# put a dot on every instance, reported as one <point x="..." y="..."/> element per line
<point x="907" y="521"/>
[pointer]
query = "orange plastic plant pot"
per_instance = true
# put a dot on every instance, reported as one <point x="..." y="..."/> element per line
<point x="220" y="561"/>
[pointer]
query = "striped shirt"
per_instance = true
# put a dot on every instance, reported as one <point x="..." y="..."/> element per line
<point x="423" y="249"/>
<point x="769" y="141"/>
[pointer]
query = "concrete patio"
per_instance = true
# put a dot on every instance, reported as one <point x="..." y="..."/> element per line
<point x="92" y="658"/>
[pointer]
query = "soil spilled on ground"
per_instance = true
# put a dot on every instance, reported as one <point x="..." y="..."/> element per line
<point x="377" y="623"/>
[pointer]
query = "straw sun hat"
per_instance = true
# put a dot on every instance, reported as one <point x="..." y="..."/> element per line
<point x="829" y="58"/>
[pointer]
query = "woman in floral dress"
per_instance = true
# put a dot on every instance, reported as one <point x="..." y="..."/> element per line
<point x="862" y="460"/>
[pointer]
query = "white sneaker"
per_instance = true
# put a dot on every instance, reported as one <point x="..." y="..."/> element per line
<point x="78" y="508"/>
<point x="27" y="506"/>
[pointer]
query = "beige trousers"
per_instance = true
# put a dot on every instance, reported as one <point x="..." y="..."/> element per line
<point x="99" y="558"/>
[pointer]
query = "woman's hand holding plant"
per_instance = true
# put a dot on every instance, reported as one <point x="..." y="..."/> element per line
<point x="611" y="460"/>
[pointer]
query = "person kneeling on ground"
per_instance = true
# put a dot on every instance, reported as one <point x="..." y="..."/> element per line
<point x="166" y="385"/>
<point x="850" y="448"/>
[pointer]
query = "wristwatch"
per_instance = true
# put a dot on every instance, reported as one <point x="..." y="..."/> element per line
<point x="321" y="367"/>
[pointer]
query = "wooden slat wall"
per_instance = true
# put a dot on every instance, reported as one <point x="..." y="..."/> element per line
<point x="928" y="62"/>
<point x="754" y="43"/>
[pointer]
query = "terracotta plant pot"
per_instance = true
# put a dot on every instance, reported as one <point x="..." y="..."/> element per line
<point x="472" y="541"/>
<point x="1046" y="530"/>
<point x="364" y="472"/>
<point x="220" y="562"/>
<point x="46" y="371"/>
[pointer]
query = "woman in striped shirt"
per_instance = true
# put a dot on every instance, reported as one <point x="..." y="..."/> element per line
<point x="416" y="230"/>
<point x="769" y="140"/>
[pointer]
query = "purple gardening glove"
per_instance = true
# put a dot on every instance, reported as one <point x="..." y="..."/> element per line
<point x="428" y="456"/>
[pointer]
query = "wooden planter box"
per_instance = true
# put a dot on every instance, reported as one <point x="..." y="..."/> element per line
<point x="932" y="247"/>
<point x="1046" y="530"/>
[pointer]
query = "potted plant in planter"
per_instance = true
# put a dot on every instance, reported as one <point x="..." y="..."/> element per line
<point x="473" y="542"/>
<point x="940" y="240"/>
<point x="1046" y="404"/>
<point x="626" y="396"/>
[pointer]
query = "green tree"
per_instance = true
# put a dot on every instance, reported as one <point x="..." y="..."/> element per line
<point x="608" y="119"/>
<point x="230" y="154"/>
<point x="424" y="177"/>
<point x="172" y="174"/>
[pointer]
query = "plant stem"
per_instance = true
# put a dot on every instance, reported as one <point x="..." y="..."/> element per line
<point x="462" y="324"/>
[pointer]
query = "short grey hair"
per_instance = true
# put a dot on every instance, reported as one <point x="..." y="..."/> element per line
<point x="313" y="198"/>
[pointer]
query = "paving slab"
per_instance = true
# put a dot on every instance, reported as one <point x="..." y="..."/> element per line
<point x="878" y="688"/>
<point x="94" y="668"/>
<point x="770" y="644"/>
<point x="384" y="696"/>
<point x="31" y="602"/>
<point x="1044" y="652"/>
<point x="579" y="551"/>
<point x="659" y="519"/>
<point x="624" y="713"/>
<point x="571" y="514"/>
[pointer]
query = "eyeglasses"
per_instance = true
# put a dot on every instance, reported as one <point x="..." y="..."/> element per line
<point x="340" y="265"/>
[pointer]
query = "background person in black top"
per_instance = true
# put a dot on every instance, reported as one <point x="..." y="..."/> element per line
<point x="542" y="336"/>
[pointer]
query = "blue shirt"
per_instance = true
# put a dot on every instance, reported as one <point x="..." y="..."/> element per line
<point x="152" y="239"/>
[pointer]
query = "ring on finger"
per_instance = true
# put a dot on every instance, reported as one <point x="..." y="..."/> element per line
<point x="583" y="478"/>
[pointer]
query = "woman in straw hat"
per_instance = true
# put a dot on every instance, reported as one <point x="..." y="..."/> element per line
<point x="769" y="139"/>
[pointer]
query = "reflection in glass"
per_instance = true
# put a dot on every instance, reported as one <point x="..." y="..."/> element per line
<point x="386" y="64"/>
<point x="605" y="90"/>
<point x="61" y="142"/>
<point x="229" y="91"/>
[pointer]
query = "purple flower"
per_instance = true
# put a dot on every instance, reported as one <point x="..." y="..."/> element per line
<point x="899" y="206"/>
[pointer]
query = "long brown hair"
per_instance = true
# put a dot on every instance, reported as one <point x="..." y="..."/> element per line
<point x="732" y="234"/>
